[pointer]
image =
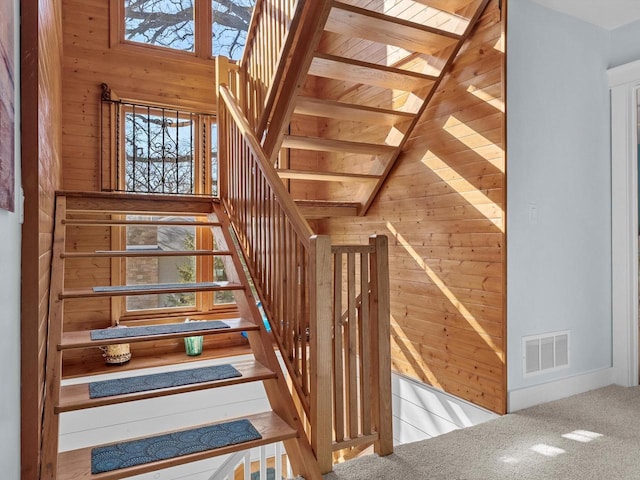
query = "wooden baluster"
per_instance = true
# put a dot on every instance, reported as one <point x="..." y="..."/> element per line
<point x="338" y="369"/>
<point x="364" y="328"/>
<point x="351" y="339"/>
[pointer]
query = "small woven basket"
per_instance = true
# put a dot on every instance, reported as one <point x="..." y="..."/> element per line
<point x="118" y="353"/>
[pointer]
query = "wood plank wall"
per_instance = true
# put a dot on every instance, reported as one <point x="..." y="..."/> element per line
<point x="444" y="204"/>
<point x="444" y="211"/>
<point x="133" y="72"/>
<point x="41" y="37"/>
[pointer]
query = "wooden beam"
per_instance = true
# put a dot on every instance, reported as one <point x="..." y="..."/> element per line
<point x="330" y="145"/>
<point x="350" y="70"/>
<point x="144" y="253"/>
<point x="120" y="223"/>
<point x="325" y="176"/>
<point x="345" y="111"/>
<point x="158" y="289"/>
<point x="317" y="209"/>
<point x="452" y="6"/>
<point x="369" y="25"/>
<point x="138" y="203"/>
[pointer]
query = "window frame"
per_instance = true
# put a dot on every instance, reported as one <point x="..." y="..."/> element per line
<point x="203" y="185"/>
<point x="204" y="273"/>
<point x="202" y="181"/>
<point x="202" y="40"/>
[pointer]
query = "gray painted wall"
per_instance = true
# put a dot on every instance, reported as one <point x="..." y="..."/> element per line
<point x="625" y="46"/>
<point x="558" y="267"/>
<point x="10" y="229"/>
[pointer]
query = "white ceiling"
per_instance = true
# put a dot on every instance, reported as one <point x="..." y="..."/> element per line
<point x="609" y="14"/>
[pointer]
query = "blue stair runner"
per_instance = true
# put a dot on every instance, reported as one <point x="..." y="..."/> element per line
<point x="156" y="381"/>
<point x="171" y="445"/>
<point x="110" y="333"/>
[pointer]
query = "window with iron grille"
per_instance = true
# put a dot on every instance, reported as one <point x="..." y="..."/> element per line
<point x="157" y="149"/>
<point x="170" y="151"/>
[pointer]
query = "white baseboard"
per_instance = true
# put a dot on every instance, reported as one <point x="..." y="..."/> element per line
<point x="557" y="389"/>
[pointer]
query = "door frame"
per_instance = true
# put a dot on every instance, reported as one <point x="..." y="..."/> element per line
<point x="624" y="84"/>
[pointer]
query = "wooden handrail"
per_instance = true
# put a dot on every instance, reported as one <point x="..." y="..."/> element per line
<point x="269" y="37"/>
<point x="280" y="43"/>
<point x="289" y="207"/>
<point x="275" y="239"/>
<point x="338" y="359"/>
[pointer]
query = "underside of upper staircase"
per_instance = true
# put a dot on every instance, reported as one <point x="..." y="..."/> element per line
<point x="370" y="70"/>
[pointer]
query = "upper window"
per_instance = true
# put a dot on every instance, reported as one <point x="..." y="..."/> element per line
<point x="231" y="20"/>
<point x="177" y="25"/>
<point x="163" y="23"/>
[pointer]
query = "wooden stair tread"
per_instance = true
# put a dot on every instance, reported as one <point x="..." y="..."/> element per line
<point x="144" y="253"/>
<point x="350" y="70"/>
<point x="345" y="111"/>
<point x="76" y="464"/>
<point x="326" y="176"/>
<point x="76" y="397"/>
<point x="452" y="6"/>
<point x="375" y="26"/>
<point x="331" y="145"/>
<point x="95" y="365"/>
<point x="82" y="339"/>
<point x="149" y="204"/>
<point x="125" y="222"/>
<point x="154" y="289"/>
<point x="316" y="209"/>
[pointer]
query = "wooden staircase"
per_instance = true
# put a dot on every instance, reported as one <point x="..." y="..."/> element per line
<point x="349" y="102"/>
<point x="282" y="423"/>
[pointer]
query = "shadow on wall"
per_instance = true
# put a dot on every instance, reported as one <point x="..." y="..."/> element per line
<point x="443" y="208"/>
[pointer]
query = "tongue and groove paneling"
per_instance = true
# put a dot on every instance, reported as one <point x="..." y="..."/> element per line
<point x="443" y="208"/>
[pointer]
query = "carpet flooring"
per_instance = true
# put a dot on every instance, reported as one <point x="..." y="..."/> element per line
<point x="591" y="436"/>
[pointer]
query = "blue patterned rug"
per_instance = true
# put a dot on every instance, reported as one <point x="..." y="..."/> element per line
<point x="108" y="333"/>
<point x="156" y="381"/>
<point x="171" y="445"/>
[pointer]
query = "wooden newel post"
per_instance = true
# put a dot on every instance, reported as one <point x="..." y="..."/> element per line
<point x="380" y="311"/>
<point x="321" y="359"/>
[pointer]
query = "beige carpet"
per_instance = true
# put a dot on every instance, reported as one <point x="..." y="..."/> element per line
<point x="595" y="435"/>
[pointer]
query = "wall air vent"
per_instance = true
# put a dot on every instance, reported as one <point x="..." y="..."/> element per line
<point x="546" y="352"/>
